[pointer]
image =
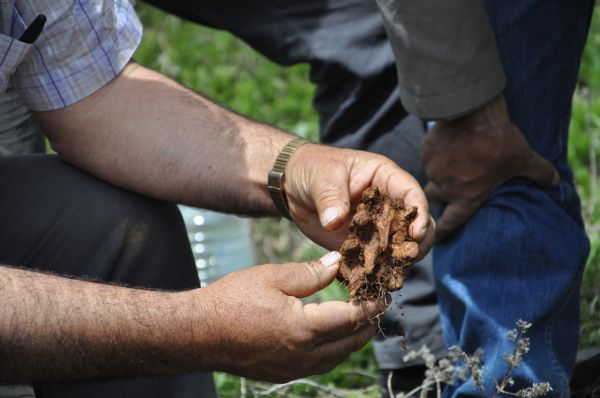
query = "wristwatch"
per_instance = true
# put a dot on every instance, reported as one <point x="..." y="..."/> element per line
<point x="276" y="177"/>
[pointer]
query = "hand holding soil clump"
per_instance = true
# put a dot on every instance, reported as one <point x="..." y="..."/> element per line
<point x="378" y="250"/>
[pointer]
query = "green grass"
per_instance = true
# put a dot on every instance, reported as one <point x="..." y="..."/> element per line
<point x="584" y="157"/>
<point x="220" y="66"/>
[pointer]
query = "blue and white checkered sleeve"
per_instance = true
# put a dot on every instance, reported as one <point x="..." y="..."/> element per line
<point x="80" y="51"/>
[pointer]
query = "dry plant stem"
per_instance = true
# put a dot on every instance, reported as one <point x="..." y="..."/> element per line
<point x="447" y="370"/>
<point x="336" y="392"/>
<point x="378" y="250"/>
<point x="360" y="372"/>
<point x="513" y="361"/>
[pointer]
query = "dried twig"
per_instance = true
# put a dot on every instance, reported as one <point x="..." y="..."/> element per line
<point x="462" y="366"/>
<point x="332" y="391"/>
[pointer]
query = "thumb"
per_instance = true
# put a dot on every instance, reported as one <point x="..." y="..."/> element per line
<point x="304" y="279"/>
<point x="331" y="198"/>
<point x="540" y="170"/>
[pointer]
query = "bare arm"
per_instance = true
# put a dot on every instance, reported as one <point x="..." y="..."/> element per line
<point x="148" y="134"/>
<point x="53" y="328"/>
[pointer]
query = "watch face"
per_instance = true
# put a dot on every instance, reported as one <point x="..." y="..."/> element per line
<point x="275" y="179"/>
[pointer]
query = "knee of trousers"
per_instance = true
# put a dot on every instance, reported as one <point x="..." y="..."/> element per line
<point x="68" y="222"/>
<point x="519" y="257"/>
<point x="146" y="243"/>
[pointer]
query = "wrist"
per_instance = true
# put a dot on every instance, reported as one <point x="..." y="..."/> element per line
<point x="196" y="330"/>
<point x="493" y="112"/>
<point x="277" y="175"/>
<point x="260" y="149"/>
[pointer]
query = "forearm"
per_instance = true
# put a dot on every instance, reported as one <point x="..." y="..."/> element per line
<point x="148" y="134"/>
<point x="54" y="328"/>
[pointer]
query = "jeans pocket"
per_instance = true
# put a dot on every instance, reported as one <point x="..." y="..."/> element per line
<point x="12" y="53"/>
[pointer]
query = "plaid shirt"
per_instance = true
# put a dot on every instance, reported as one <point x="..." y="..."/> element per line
<point x="84" y="45"/>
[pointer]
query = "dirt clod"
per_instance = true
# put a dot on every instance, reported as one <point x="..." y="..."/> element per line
<point x="378" y="250"/>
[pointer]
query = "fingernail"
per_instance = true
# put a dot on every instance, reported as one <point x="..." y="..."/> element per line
<point x="330" y="259"/>
<point x="329" y="215"/>
<point x="417" y="236"/>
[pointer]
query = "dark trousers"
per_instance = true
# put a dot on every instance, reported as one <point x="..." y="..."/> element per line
<point x="57" y="218"/>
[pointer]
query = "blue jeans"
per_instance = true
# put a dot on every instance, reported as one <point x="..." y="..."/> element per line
<point x="522" y="254"/>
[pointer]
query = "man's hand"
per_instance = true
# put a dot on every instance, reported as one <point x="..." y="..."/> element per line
<point x="251" y="323"/>
<point x="468" y="158"/>
<point x="262" y="330"/>
<point x="324" y="184"/>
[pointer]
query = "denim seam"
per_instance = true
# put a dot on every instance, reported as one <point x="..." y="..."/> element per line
<point x="549" y="331"/>
<point x="549" y="346"/>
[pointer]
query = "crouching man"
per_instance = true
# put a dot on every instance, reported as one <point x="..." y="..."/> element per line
<point x="98" y="286"/>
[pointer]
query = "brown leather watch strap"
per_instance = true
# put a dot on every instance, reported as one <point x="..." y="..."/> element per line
<point x="276" y="177"/>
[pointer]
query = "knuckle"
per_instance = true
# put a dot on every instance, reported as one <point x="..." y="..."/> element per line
<point x="356" y="317"/>
<point x="313" y="269"/>
<point x="304" y="339"/>
<point x="288" y="275"/>
<point x="473" y="194"/>
<point x="329" y="194"/>
<point x="384" y="161"/>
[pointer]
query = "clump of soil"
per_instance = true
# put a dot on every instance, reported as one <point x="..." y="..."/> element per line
<point x="378" y="250"/>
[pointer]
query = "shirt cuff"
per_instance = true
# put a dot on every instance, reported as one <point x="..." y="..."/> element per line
<point x="456" y="103"/>
<point x="446" y="55"/>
